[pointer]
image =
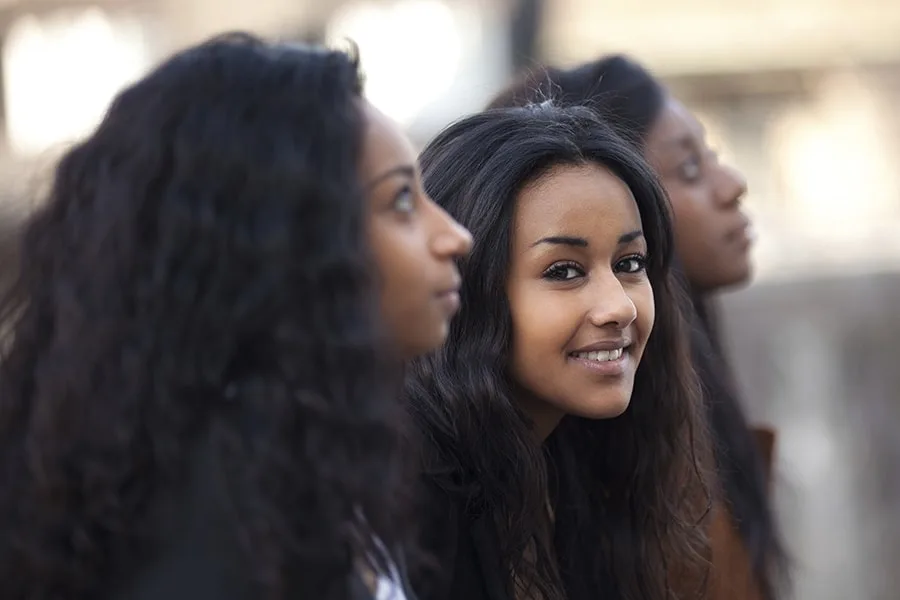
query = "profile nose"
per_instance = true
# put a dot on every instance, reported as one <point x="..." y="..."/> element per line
<point x="613" y="307"/>
<point x="451" y="240"/>
<point x="731" y="186"/>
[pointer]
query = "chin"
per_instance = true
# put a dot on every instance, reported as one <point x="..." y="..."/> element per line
<point x="423" y="345"/>
<point x="732" y="276"/>
<point x="608" y="409"/>
<point x="738" y="279"/>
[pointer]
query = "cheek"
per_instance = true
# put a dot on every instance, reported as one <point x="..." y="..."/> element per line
<point x="395" y="265"/>
<point x="694" y="220"/>
<point x="684" y="213"/>
<point x="398" y="257"/>
<point x="379" y="247"/>
<point x="539" y="325"/>
<point x="645" y="308"/>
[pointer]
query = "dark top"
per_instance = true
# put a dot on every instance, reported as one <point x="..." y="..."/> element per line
<point x="198" y="555"/>
<point x="464" y="547"/>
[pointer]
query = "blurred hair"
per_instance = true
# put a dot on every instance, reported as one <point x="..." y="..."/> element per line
<point x="200" y="269"/>
<point x="627" y="492"/>
<point x="618" y="89"/>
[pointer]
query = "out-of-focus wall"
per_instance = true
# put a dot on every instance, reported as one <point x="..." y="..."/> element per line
<point x="426" y="61"/>
<point x="819" y="358"/>
<point x="721" y="37"/>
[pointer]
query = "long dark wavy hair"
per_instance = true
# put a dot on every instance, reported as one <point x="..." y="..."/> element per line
<point x="619" y="488"/>
<point x="631" y="100"/>
<point x="200" y="271"/>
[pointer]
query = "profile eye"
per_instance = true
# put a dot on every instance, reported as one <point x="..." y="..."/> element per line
<point x="690" y="170"/>
<point x="405" y="200"/>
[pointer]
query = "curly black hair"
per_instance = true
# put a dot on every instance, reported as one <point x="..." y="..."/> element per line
<point x="199" y="277"/>
<point x="618" y="487"/>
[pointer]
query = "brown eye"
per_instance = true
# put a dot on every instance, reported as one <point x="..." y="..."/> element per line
<point x="565" y="271"/>
<point x="405" y="200"/>
<point x="690" y="170"/>
<point x="632" y="264"/>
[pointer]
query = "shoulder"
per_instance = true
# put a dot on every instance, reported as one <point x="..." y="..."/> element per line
<point x="765" y="442"/>
<point x="195" y="552"/>
<point x="441" y="536"/>
<point x="731" y="576"/>
<point x="440" y="513"/>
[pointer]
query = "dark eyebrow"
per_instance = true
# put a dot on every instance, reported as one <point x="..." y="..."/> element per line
<point x="630" y="237"/>
<point x="406" y="170"/>
<point x="562" y="240"/>
<point x="567" y="240"/>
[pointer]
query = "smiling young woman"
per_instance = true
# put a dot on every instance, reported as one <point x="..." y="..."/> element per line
<point x="560" y="420"/>
<point x="713" y="239"/>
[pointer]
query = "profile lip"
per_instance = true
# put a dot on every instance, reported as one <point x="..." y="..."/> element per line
<point x="453" y="288"/>
<point x="448" y="291"/>
<point x="604" y="345"/>
<point x="743" y="229"/>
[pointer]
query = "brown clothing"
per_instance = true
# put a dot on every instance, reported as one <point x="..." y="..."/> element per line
<point x="731" y="577"/>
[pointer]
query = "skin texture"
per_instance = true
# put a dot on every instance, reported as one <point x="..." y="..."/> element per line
<point x="414" y="241"/>
<point x="713" y="236"/>
<point x="576" y="279"/>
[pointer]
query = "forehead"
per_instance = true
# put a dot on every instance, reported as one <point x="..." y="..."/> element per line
<point x="675" y="124"/>
<point x="385" y="146"/>
<point x="586" y="200"/>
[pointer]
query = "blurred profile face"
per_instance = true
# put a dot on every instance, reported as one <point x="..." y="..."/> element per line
<point x="580" y="298"/>
<point x="712" y="235"/>
<point x="415" y="242"/>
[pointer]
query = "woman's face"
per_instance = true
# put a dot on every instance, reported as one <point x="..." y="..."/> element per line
<point x="581" y="303"/>
<point x="712" y="234"/>
<point x="414" y="241"/>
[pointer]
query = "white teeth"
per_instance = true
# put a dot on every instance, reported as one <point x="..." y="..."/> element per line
<point x="601" y="355"/>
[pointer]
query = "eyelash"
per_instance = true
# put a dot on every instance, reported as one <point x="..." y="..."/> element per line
<point x="558" y="271"/>
<point x="694" y="163"/>
<point x="640" y="259"/>
<point x="554" y="271"/>
<point x="697" y="161"/>
<point x="405" y="192"/>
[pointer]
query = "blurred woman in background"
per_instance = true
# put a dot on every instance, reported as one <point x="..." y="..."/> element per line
<point x="713" y="240"/>
<point x="199" y="396"/>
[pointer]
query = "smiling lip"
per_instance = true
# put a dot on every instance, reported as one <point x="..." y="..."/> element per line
<point x="604" y="345"/>
<point x="606" y="368"/>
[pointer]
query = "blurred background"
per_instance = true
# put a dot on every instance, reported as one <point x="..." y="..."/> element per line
<point x="802" y="95"/>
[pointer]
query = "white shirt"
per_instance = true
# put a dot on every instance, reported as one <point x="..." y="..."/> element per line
<point x="389" y="585"/>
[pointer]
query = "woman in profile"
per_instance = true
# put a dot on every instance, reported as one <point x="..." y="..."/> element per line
<point x="561" y="417"/>
<point x="199" y="395"/>
<point x="712" y="239"/>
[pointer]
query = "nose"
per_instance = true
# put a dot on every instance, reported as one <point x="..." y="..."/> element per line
<point x="731" y="186"/>
<point x="450" y="239"/>
<point x="612" y="306"/>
